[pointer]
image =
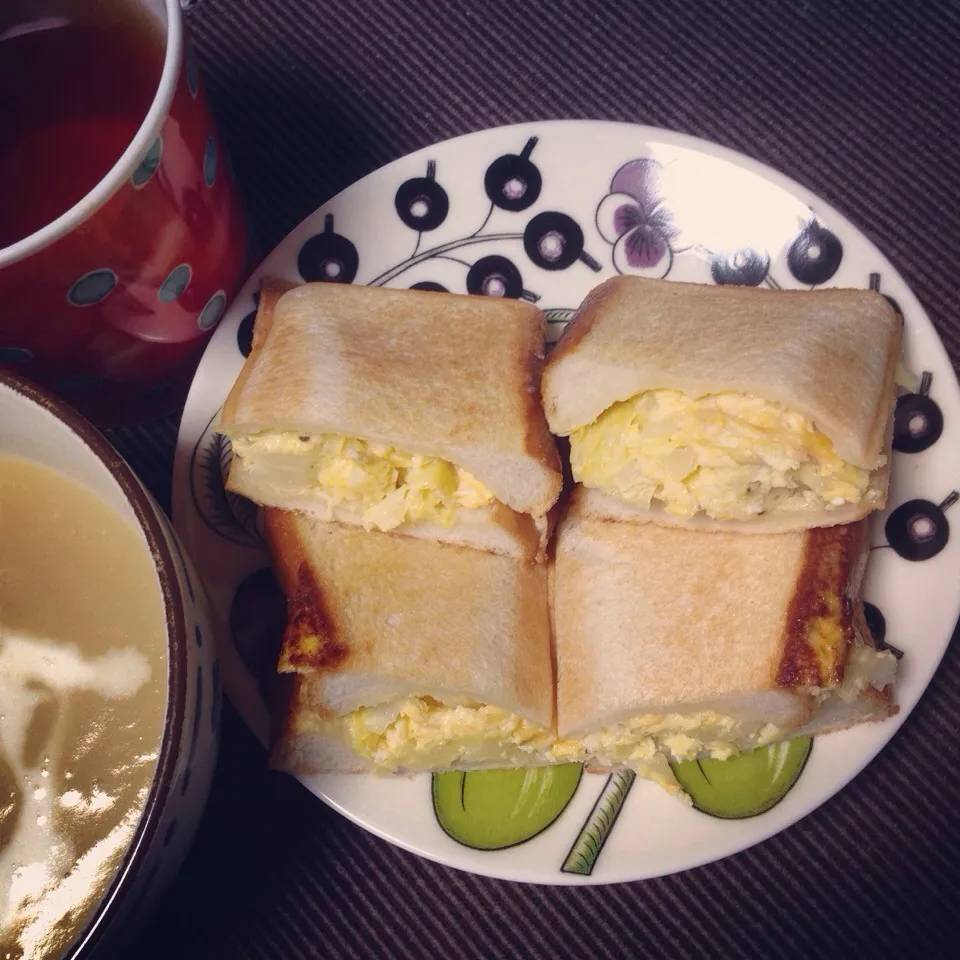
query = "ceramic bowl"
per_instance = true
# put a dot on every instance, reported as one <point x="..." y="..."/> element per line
<point x="36" y="426"/>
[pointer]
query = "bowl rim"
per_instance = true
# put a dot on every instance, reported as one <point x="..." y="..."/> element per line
<point x="164" y="562"/>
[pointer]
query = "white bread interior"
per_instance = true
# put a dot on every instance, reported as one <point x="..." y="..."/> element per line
<point x="297" y="749"/>
<point x="495" y="527"/>
<point x="836" y="713"/>
<point x="602" y="506"/>
<point x="301" y="747"/>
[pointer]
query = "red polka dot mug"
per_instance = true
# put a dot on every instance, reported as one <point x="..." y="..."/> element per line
<point x="110" y="303"/>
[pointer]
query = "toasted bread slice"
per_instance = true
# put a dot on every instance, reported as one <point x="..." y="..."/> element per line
<point x="826" y="356"/>
<point x="725" y="640"/>
<point x="376" y="617"/>
<point x="456" y="378"/>
<point x="829" y="354"/>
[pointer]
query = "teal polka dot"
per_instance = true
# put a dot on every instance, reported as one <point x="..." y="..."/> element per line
<point x="210" y="162"/>
<point x="149" y="164"/>
<point x="15" y="355"/>
<point x="92" y="287"/>
<point x="175" y="284"/>
<point x="212" y="312"/>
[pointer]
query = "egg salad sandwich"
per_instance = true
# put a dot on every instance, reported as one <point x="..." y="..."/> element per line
<point x="403" y="410"/>
<point x="727" y="407"/>
<point x="675" y="644"/>
<point x="405" y="655"/>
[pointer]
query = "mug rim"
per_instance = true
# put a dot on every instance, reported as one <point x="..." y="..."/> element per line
<point x="165" y="564"/>
<point x="124" y="166"/>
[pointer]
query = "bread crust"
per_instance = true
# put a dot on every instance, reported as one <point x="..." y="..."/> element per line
<point x="271" y="290"/>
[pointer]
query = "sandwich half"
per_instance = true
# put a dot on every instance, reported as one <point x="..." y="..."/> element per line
<point x="729" y="407"/>
<point x="400" y="410"/>
<point x="673" y="644"/>
<point x="406" y="655"/>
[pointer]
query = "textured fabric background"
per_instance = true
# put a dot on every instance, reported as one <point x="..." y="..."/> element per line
<point x="859" y="102"/>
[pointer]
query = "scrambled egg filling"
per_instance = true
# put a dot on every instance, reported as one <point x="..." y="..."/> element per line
<point x="386" y="486"/>
<point x="417" y="734"/>
<point x="729" y="455"/>
<point x="865" y="667"/>
<point x="420" y="734"/>
<point x="825" y="636"/>
<point x="676" y="736"/>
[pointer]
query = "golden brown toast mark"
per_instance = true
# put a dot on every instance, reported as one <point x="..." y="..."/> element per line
<point x="820" y="621"/>
<point x="309" y="640"/>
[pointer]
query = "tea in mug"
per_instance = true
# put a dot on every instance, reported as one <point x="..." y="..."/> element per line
<point x="77" y="78"/>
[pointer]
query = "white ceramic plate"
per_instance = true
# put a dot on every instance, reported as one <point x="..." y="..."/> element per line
<point x="546" y="211"/>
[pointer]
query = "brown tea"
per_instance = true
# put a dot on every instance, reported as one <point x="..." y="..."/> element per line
<point x="77" y="78"/>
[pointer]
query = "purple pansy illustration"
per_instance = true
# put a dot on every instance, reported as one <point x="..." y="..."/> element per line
<point x="632" y="218"/>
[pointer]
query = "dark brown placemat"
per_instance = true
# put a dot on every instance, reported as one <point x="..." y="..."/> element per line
<point x="860" y="103"/>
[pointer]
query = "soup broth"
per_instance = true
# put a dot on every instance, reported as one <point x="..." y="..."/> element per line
<point x="83" y="676"/>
